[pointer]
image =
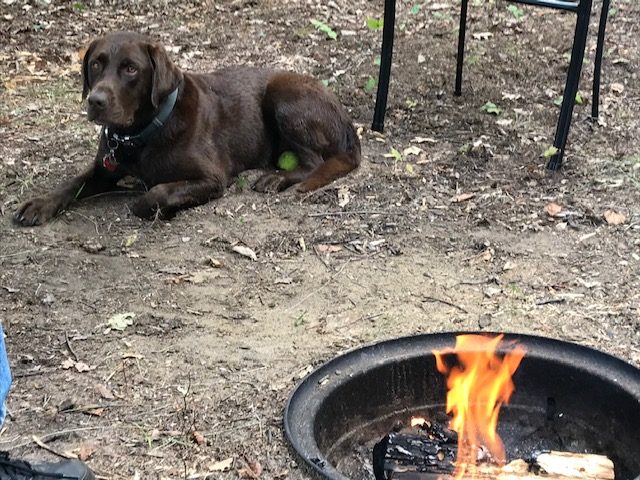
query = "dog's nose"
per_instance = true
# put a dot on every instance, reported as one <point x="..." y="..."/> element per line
<point x="98" y="100"/>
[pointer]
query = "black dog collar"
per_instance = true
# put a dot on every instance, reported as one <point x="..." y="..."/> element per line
<point x="140" y="139"/>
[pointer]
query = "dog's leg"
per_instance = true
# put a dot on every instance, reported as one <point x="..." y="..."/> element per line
<point x="166" y="199"/>
<point x="41" y="209"/>
<point x="281" y="180"/>
<point x="332" y="169"/>
<point x="311" y="122"/>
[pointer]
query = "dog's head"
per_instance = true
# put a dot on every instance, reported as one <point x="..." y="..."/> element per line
<point x="125" y="78"/>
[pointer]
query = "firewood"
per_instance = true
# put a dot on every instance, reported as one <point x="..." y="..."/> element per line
<point x="553" y="466"/>
<point x="411" y="456"/>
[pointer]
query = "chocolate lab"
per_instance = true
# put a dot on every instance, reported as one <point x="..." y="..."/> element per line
<point x="186" y="135"/>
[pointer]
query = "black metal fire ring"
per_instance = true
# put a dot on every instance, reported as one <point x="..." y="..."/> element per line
<point x="620" y="380"/>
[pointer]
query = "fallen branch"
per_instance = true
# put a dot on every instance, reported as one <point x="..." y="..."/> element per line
<point x="71" y="350"/>
<point x="43" y="445"/>
<point x="446" y="302"/>
<point x="353" y="212"/>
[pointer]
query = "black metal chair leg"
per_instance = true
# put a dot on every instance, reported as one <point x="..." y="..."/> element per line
<point x="461" y="35"/>
<point x="571" y="87"/>
<point x="597" y="69"/>
<point x="385" y="65"/>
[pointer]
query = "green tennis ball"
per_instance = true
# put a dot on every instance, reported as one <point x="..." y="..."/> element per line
<point x="288" y="161"/>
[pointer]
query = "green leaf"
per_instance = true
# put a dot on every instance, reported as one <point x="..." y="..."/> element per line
<point x="550" y="152"/>
<point x="121" y="321"/>
<point x="472" y="59"/>
<point x="491" y="108"/>
<point x="411" y="103"/>
<point x="300" y="320"/>
<point x="377" y="61"/>
<point x="415" y="9"/>
<point x="241" y="182"/>
<point x="79" y="7"/>
<point x="324" y="28"/>
<point x="395" y="154"/>
<point x="578" y="101"/>
<point x="375" y="23"/>
<point x="370" y="84"/>
<point x="515" y="11"/>
<point x="613" y="12"/>
<point x="130" y="240"/>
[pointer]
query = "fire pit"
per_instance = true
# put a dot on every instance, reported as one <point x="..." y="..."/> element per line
<point x="568" y="398"/>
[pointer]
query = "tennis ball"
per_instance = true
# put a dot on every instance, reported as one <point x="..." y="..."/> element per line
<point x="287" y="161"/>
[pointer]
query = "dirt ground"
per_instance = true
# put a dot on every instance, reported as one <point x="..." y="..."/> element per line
<point x="451" y="223"/>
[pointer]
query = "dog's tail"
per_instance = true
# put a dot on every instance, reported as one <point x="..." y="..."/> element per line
<point x="337" y="165"/>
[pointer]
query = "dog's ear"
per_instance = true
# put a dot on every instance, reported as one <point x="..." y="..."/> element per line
<point x="166" y="76"/>
<point x="86" y="86"/>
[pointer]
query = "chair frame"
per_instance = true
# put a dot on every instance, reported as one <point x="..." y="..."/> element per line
<point x="582" y="9"/>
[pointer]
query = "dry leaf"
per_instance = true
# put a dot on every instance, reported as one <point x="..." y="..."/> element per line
<point x="424" y="140"/>
<point x="552" y="209"/>
<point x="222" y="465"/>
<point x="67" y="364"/>
<point x="343" y="197"/>
<point x="614" y="218"/>
<point x="96" y="412"/>
<point x="617" y="87"/>
<point x="83" y="367"/>
<point x="329" y="248"/>
<point x="245" y="251"/>
<point x="482" y="35"/>
<point x="104" y="392"/>
<point x="252" y="470"/>
<point x="215" y="263"/>
<point x="84" y="452"/>
<point x="198" y="438"/>
<point x="413" y="150"/>
<point x="463" y="197"/>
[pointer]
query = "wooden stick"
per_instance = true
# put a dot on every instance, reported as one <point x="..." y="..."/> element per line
<point x="41" y="444"/>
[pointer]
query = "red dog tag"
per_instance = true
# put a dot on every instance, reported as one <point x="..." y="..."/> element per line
<point x="109" y="162"/>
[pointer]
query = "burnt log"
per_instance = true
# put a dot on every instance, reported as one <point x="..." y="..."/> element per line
<point x="400" y="457"/>
<point x="425" y="449"/>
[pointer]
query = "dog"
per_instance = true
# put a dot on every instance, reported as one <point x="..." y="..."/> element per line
<point x="186" y="136"/>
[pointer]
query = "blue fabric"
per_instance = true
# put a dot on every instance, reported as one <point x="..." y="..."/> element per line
<point x="5" y="377"/>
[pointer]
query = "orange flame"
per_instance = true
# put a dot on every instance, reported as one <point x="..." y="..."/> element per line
<point x="477" y="387"/>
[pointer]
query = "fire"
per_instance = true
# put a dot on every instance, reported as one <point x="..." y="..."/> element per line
<point x="477" y="386"/>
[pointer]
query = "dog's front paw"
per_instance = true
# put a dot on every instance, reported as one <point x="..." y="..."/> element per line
<point x="271" y="183"/>
<point x="153" y="204"/>
<point x="145" y="207"/>
<point x="37" y="211"/>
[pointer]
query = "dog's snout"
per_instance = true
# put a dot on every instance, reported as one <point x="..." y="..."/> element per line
<point x="98" y="100"/>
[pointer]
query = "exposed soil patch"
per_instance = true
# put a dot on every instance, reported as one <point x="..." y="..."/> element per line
<point x="457" y="232"/>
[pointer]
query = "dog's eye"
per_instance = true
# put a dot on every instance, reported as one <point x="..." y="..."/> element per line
<point x="95" y="65"/>
<point x="131" y="69"/>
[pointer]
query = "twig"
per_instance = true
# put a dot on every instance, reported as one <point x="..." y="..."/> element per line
<point x="33" y="373"/>
<point x="41" y="444"/>
<point x="66" y="337"/>
<point x="324" y="262"/>
<point x="360" y="319"/>
<point x="446" y="302"/>
<point x="547" y="301"/>
<point x="353" y="212"/>
<point x="24" y="252"/>
<point x="49" y="436"/>
<point x="95" y="224"/>
<point x="315" y="291"/>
